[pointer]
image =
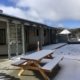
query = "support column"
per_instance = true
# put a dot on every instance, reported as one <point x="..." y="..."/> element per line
<point x="8" y="40"/>
<point x="41" y="35"/>
<point x="23" y="39"/>
<point x="52" y="37"/>
<point x="16" y="40"/>
<point x="49" y="37"/>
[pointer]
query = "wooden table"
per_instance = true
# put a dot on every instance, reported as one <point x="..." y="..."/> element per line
<point x="38" y="55"/>
<point x="33" y="61"/>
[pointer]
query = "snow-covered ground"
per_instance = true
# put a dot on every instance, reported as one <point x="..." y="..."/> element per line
<point x="70" y="51"/>
<point x="70" y="65"/>
<point x="70" y="70"/>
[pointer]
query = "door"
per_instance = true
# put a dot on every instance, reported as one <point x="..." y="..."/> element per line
<point x="15" y="39"/>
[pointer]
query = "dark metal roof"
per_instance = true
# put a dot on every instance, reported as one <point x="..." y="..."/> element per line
<point x="10" y="17"/>
<point x="50" y="27"/>
<point x="20" y="19"/>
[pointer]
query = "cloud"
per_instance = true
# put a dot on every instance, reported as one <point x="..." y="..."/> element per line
<point x="53" y="9"/>
<point x="60" y="25"/>
<point x="33" y="15"/>
<point x="15" y="11"/>
<point x="49" y="12"/>
<point x="12" y="11"/>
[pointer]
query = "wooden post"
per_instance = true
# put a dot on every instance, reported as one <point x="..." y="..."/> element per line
<point x="41" y="37"/>
<point x="23" y="39"/>
<point x="8" y="40"/>
<point x="38" y="49"/>
<point x="49" y="37"/>
<point x="16" y="40"/>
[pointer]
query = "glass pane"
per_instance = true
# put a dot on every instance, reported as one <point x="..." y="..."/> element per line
<point x="2" y="37"/>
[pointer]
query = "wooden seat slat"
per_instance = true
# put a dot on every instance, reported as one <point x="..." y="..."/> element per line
<point x="49" y="66"/>
<point x="19" y="62"/>
<point x="45" y="60"/>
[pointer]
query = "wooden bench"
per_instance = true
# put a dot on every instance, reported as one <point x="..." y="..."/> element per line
<point x="45" y="60"/>
<point x="22" y="62"/>
<point x="51" y="64"/>
<point x="34" y="60"/>
<point x="19" y="63"/>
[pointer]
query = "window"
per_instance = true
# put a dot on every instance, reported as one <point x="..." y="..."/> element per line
<point x="44" y="32"/>
<point x="2" y="37"/>
<point x="37" y="32"/>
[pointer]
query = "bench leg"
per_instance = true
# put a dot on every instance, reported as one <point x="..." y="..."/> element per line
<point x="21" y="71"/>
<point x="44" y="75"/>
<point x="42" y="71"/>
<point x="49" y="56"/>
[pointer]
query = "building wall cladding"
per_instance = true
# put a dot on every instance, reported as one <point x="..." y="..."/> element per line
<point x="33" y="34"/>
<point x="32" y="37"/>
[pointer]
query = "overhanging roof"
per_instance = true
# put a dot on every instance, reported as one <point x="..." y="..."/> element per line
<point x="20" y="19"/>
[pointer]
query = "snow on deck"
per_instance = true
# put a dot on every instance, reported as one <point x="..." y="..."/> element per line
<point x="48" y="47"/>
<point x="70" y="70"/>
<point x="72" y="49"/>
<point x="69" y="51"/>
<point x="70" y="65"/>
<point x="54" y="46"/>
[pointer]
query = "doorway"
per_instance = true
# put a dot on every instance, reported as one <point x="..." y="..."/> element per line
<point x="15" y="39"/>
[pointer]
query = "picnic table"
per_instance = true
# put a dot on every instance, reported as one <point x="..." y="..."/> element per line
<point x="33" y="62"/>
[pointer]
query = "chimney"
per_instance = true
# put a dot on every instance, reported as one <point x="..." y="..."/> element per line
<point x="1" y="11"/>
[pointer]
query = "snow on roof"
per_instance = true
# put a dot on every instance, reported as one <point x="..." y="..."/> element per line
<point x="65" y="32"/>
